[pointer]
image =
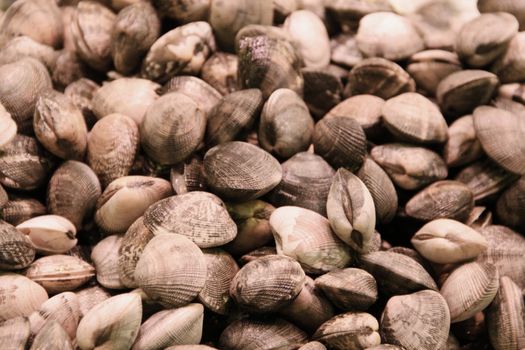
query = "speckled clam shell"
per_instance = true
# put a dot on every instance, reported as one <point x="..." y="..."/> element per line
<point x="18" y="210"/>
<point x="16" y="250"/>
<point x="220" y="70"/>
<point x="105" y="259"/>
<point x="49" y="234"/>
<point x="462" y="146"/>
<point x="14" y="333"/>
<point x="53" y="336"/>
<point x="89" y="297"/>
<point x="23" y="296"/>
<point x="418" y="321"/>
<point x="171" y="285"/>
<point x="201" y="92"/>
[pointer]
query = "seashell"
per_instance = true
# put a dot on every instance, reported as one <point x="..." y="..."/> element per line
<point x="181" y="50"/>
<point x="22" y="83"/>
<point x="506" y="317"/>
<point x="344" y="51"/>
<point x="241" y="171"/>
<point x="91" y="28"/>
<point x="232" y="115"/>
<point x="52" y="336"/>
<point x="351" y="330"/>
<point x="501" y="136"/>
<point x="417" y="321"/>
<point x="22" y="296"/>
<point x="412" y="117"/>
<point x="469" y="289"/>
<point x="260" y="334"/>
<point x="38" y="19"/>
<point x="63" y="308"/>
<point x="171" y="285"/>
<point x="59" y="126"/>
<point x="388" y="35"/>
<point x="184" y="10"/>
<point x="89" y="297"/>
<point x="171" y="327"/>
<point x="508" y="66"/>
<point x="409" y="167"/>
<point x="306" y="236"/>
<point x="258" y="286"/>
<point x="182" y="129"/>
<point x="136" y="28"/>
<point x="68" y="68"/>
<point x="16" y="250"/>
<point x="380" y="77"/>
<point x="18" y="210"/>
<point x="305" y="183"/>
<point x="442" y="199"/>
<point x="197" y="89"/>
<point x="14" y="333"/>
<point x="81" y="92"/>
<point x="396" y="273"/>
<point x="60" y="273"/>
<point x="510" y="205"/>
<point x="460" y="92"/>
<point x="438" y="22"/>
<point x="253" y="227"/>
<point x="112" y="324"/>
<point x="220" y="71"/>
<point x="73" y="191"/>
<point x="256" y="254"/>
<point x="485" y="38"/>
<point x="49" y="234"/>
<point x="446" y="241"/>
<point x="349" y="13"/>
<point x="105" y="258"/>
<point x="128" y="96"/>
<point x="349" y="289"/>
<point x="309" y="32"/>
<point x="462" y="146"/>
<point x="8" y="127"/>
<point x="322" y="90"/>
<point x="188" y="176"/>
<point x="429" y="67"/>
<point x="286" y="126"/>
<point x="516" y="9"/>
<point x="24" y="46"/>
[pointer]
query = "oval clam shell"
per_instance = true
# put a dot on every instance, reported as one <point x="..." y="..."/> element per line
<point x="50" y="234"/>
<point x="16" y="250"/>
<point x="23" y="296"/>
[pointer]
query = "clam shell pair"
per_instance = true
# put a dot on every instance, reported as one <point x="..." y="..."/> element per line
<point x="50" y="234"/>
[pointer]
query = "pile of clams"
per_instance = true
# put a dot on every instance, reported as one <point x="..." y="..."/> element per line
<point x="262" y="174"/>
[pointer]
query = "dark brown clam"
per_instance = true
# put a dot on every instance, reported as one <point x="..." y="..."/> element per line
<point x="81" y="93"/>
<point x="462" y="145"/>
<point x="322" y="90"/>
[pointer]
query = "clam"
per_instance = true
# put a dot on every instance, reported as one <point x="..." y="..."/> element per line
<point x="344" y="50"/>
<point x="260" y="334"/>
<point x="396" y="273"/>
<point x="508" y="66"/>
<point x="136" y="28"/>
<point x="462" y="146"/>
<point x="305" y="183"/>
<point x="172" y="128"/>
<point x="485" y="38"/>
<point x="259" y="287"/>
<point x="181" y="50"/>
<point x="24" y="46"/>
<point x="112" y="324"/>
<point x="171" y="327"/>
<point x="241" y="171"/>
<point x="171" y="285"/>
<point x="16" y="250"/>
<point x="511" y="204"/>
<point x="22" y="83"/>
<point x="351" y="330"/>
<point x="286" y="126"/>
<point x="18" y="210"/>
<point x="202" y="93"/>
<point x="322" y="90"/>
<point x="81" y="92"/>
<point x="234" y="114"/>
<point x="63" y="308"/>
<point x="8" y="128"/>
<point x="442" y="199"/>
<point x="446" y="241"/>
<point x="184" y="10"/>
<point x="73" y="191"/>
<point x="506" y="317"/>
<point x="188" y="176"/>
<point x="60" y="126"/>
<point x="105" y="259"/>
<point x="14" y="333"/>
<point x="52" y="336"/>
<point x="351" y="212"/>
<point x="501" y="136"/>
<point x="380" y="77"/>
<point x="49" y="234"/>
<point x="306" y="236"/>
<point x="409" y="167"/>
<point x="220" y="71"/>
<point x="89" y="297"/>
<point x="22" y="296"/>
<point x="418" y="321"/>
<point x="349" y="289"/>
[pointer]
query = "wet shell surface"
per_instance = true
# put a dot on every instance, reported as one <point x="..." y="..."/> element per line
<point x="50" y="234"/>
<point x="22" y="296"/>
<point x="16" y="250"/>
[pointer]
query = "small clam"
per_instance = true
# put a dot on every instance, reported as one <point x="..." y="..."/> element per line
<point x="286" y="126"/>
<point x="220" y="71"/>
<point x="202" y="93"/>
<point x="112" y="324"/>
<point x="63" y="308"/>
<point x="14" y="333"/>
<point x="462" y="146"/>
<point x="105" y="259"/>
<point x="442" y="199"/>
<point x="508" y="66"/>
<point x="171" y="327"/>
<point x="23" y="46"/>
<point x="349" y="289"/>
<point x="446" y="241"/>
<point x="438" y="22"/>
<point x="351" y="330"/>
<point x="511" y="205"/>
<point x="323" y="90"/>
<point x="418" y="321"/>
<point x="307" y="237"/>
<point x="171" y="285"/>
<point x="22" y="296"/>
<point x="181" y="50"/>
<point x="188" y="176"/>
<point x="89" y="297"/>
<point x="50" y="234"/>
<point x="241" y="171"/>
<point x="18" y="210"/>
<point x="73" y="191"/>
<point x="409" y="167"/>
<point x="52" y="336"/>
<point x="351" y="212"/>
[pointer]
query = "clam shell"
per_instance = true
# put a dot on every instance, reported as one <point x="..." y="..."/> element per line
<point x="16" y="250"/>
<point x="81" y="92"/>
<point x="511" y="204"/>
<point x="188" y="176"/>
<point x="50" y="234"/>
<point x="197" y="89"/>
<point x="508" y="66"/>
<point x="22" y="296"/>
<point x="105" y="259"/>
<point x="18" y="210"/>
<point x="172" y="285"/>
<point x="63" y="308"/>
<point x="418" y="321"/>
<point x="53" y="336"/>
<point x="469" y="289"/>
<point x="14" y="333"/>
<point x="220" y="71"/>
<point x="68" y="67"/>
<point x="89" y="297"/>
<point x="344" y="49"/>
<point x="112" y="324"/>
<point x="322" y="90"/>
<point x="462" y="146"/>
<point x="60" y="273"/>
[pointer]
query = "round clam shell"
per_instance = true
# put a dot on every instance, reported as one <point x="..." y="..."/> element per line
<point x="462" y="146"/>
<point x="23" y="296"/>
<point x="16" y="250"/>
<point x="50" y="234"/>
